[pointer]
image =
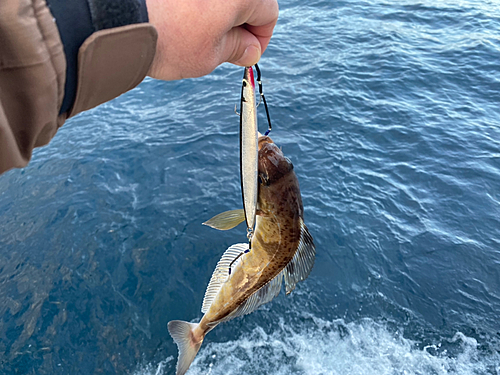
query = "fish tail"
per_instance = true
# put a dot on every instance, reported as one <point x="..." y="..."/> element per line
<point x="187" y="342"/>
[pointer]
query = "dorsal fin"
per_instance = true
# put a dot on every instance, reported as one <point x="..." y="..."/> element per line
<point x="302" y="262"/>
<point x="221" y="273"/>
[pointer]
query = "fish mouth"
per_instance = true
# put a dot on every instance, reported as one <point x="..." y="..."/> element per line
<point x="264" y="139"/>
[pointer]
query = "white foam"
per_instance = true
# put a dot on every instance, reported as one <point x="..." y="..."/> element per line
<point x="150" y="369"/>
<point x="359" y="348"/>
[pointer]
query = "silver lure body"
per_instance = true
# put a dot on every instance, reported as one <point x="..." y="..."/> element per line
<point x="249" y="148"/>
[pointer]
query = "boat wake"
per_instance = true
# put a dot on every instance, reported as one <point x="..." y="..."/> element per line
<point x="335" y="347"/>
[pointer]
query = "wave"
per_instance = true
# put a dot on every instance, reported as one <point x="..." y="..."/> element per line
<point x="334" y="347"/>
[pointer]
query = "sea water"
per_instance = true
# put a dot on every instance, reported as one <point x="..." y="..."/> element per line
<point x="389" y="111"/>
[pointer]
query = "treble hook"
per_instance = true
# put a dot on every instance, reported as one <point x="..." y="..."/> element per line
<point x="263" y="98"/>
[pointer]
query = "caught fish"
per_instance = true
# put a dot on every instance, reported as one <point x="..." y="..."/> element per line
<point x="282" y="249"/>
<point x="248" y="148"/>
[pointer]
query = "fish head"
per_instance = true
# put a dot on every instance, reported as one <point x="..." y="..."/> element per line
<point x="272" y="164"/>
<point x="279" y="192"/>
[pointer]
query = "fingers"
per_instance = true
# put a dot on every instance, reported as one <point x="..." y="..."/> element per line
<point x="240" y="47"/>
<point x="262" y="33"/>
<point x="258" y="13"/>
<point x="195" y="36"/>
<point x="259" y="22"/>
<point x="245" y="44"/>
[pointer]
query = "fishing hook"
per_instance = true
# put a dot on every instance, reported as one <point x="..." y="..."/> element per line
<point x="249" y="235"/>
<point x="235" y="259"/>
<point x="242" y="100"/>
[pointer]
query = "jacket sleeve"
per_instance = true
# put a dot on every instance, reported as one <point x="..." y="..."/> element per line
<point x="52" y="67"/>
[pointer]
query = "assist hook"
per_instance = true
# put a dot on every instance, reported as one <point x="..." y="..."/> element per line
<point x="263" y="98"/>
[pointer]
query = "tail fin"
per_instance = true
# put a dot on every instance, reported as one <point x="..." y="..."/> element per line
<point x="187" y="343"/>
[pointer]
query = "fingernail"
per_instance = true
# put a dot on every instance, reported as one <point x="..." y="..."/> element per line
<point x="250" y="57"/>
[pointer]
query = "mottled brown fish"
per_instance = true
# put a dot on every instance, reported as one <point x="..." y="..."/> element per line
<point x="282" y="248"/>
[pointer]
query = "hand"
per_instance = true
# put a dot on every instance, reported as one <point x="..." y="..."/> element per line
<point x="196" y="36"/>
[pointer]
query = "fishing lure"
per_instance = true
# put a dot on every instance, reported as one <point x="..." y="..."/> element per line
<point x="249" y="135"/>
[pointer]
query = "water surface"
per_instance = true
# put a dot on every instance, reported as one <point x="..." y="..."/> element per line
<point x="389" y="112"/>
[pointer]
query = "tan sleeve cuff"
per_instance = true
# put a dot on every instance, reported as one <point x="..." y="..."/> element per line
<point x="111" y="62"/>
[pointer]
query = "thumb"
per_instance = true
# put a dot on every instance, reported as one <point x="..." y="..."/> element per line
<point x="241" y="47"/>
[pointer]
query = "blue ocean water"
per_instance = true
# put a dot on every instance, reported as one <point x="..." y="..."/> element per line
<point x="389" y="111"/>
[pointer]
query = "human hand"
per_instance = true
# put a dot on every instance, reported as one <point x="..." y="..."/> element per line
<point x="196" y="36"/>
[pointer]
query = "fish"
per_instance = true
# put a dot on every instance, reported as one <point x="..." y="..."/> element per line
<point x="244" y="279"/>
<point x="248" y="148"/>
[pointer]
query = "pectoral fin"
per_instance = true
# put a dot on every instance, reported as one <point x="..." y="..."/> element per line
<point x="226" y="220"/>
